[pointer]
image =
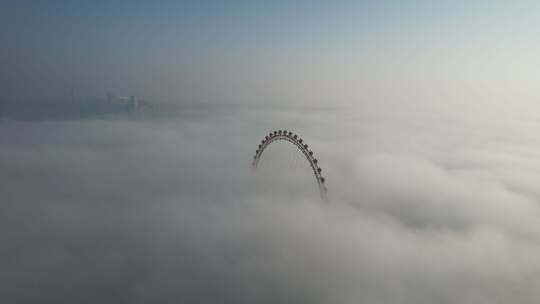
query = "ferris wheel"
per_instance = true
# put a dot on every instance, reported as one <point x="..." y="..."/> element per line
<point x="294" y="139"/>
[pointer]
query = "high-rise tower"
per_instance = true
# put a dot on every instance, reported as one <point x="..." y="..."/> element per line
<point x="133" y="105"/>
<point x="109" y="98"/>
<point x="74" y="94"/>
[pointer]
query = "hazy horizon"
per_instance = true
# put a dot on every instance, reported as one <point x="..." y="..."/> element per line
<point x="259" y="52"/>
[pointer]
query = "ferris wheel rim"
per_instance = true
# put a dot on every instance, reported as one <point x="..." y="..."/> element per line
<point x="288" y="136"/>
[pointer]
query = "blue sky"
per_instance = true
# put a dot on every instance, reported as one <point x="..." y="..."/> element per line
<point x="262" y="51"/>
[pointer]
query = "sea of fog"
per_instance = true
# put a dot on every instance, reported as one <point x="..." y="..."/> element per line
<point x="425" y="206"/>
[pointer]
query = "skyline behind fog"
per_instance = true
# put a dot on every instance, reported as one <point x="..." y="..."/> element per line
<point x="307" y="53"/>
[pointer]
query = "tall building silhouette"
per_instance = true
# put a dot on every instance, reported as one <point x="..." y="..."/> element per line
<point x="109" y="98"/>
<point x="133" y="104"/>
<point x="74" y="94"/>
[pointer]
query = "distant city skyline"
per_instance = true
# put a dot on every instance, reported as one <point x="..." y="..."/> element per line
<point x="309" y="52"/>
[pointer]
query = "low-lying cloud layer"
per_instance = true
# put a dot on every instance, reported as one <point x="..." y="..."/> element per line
<point x="425" y="207"/>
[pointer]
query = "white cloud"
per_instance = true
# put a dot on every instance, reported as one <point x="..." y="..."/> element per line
<point x="421" y="211"/>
